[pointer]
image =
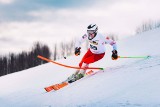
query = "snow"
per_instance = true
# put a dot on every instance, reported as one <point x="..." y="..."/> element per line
<point x="125" y="82"/>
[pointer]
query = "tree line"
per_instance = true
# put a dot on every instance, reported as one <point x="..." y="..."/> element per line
<point x="64" y="49"/>
<point x="148" y="25"/>
<point x="16" y="62"/>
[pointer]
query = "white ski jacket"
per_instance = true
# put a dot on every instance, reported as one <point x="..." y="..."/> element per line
<point x="97" y="44"/>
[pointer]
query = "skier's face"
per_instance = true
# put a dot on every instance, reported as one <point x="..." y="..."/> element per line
<point x="91" y="34"/>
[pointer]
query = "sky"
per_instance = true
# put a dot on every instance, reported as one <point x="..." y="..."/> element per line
<point x="23" y="22"/>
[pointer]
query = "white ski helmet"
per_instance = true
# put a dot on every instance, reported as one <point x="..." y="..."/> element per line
<point x="92" y="29"/>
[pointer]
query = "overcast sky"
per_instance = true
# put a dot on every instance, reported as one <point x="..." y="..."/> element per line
<point x="22" y="22"/>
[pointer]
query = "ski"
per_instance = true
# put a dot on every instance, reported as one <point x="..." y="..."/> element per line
<point x="61" y="85"/>
<point x="56" y="86"/>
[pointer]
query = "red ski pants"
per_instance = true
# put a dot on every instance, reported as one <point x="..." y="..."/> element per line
<point x="90" y="57"/>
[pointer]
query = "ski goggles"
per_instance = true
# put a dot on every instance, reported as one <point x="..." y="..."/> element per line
<point x="90" y="31"/>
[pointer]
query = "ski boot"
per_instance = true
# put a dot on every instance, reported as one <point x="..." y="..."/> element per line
<point x="76" y="77"/>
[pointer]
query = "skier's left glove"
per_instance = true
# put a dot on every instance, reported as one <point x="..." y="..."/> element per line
<point x="77" y="51"/>
<point x="114" y="55"/>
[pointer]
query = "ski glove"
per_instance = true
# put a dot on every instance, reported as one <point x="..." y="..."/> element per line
<point x="77" y="51"/>
<point x="114" y="55"/>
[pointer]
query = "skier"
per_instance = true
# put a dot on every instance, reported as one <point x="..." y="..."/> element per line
<point x="95" y="52"/>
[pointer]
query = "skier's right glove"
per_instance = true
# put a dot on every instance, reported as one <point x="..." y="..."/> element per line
<point x="77" y="51"/>
<point x="114" y="55"/>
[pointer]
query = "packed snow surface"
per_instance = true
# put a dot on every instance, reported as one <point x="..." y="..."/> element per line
<point x="126" y="82"/>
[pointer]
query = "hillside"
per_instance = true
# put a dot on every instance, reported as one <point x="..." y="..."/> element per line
<point x="124" y="82"/>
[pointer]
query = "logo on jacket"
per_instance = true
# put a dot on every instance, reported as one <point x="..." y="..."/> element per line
<point x="94" y="42"/>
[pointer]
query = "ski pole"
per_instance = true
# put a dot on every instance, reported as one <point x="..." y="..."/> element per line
<point x="133" y="56"/>
<point x="49" y="60"/>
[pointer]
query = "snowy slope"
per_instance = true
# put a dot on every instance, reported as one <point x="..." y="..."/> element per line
<point x="125" y="82"/>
